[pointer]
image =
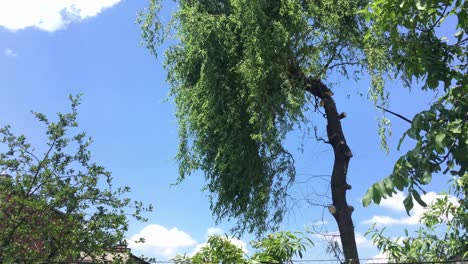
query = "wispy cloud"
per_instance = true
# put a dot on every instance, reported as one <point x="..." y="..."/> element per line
<point x="161" y="241"/>
<point x="10" y="53"/>
<point x="49" y="15"/>
<point x="395" y="203"/>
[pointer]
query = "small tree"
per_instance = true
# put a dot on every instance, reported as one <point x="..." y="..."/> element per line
<point x="281" y="247"/>
<point x="275" y="248"/>
<point x="59" y="205"/>
<point x="218" y="249"/>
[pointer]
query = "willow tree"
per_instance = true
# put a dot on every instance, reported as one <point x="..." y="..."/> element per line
<point x="243" y="73"/>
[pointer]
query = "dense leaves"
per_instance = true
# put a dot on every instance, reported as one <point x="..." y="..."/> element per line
<point x="427" y="42"/>
<point x="411" y="31"/>
<point x="218" y="249"/>
<point x="280" y="247"/>
<point x="441" y="146"/>
<point x="59" y="205"/>
<point x="442" y="236"/>
<point x="236" y="75"/>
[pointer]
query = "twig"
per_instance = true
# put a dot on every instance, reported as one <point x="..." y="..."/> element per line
<point x="395" y="114"/>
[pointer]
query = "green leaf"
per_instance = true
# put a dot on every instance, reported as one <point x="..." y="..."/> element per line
<point x="421" y="4"/>
<point x="376" y="194"/>
<point x="408" y="203"/>
<point x="432" y="82"/>
<point x="367" y="199"/>
<point x="401" y="141"/>
<point x="426" y="177"/>
<point x="417" y="197"/>
<point x="439" y="141"/>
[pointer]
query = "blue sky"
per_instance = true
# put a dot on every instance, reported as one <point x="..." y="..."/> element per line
<point x="55" y="48"/>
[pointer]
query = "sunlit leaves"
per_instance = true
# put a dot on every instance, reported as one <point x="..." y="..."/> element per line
<point x="441" y="143"/>
<point x="218" y="249"/>
<point x="442" y="236"/>
<point x="408" y="30"/>
<point x="281" y="247"/>
<point x="59" y="205"/>
<point x="276" y="248"/>
<point x="236" y="98"/>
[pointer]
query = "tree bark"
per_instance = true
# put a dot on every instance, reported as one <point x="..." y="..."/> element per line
<point x="340" y="209"/>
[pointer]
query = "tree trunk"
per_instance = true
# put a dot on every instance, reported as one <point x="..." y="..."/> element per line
<point x="340" y="209"/>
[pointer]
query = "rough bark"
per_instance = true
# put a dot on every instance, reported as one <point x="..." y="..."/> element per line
<point x="340" y="209"/>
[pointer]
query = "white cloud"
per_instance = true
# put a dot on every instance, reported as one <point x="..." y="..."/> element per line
<point x="382" y="257"/>
<point x="396" y="203"/>
<point x="332" y="237"/>
<point x="10" y="53"/>
<point x="161" y="241"/>
<point x="319" y="223"/>
<point x="218" y="231"/>
<point x="166" y="243"/>
<point x="48" y="15"/>
<point x="362" y="241"/>
<point x="240" y="244"/>
<point x="214" y="231"/>
<point x="237" y="242"/>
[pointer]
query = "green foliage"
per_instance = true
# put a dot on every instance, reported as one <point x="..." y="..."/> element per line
<point x="441" y="146"/>
<point x="234" y="79"/>
<point x="443" y="235"/>
<point x="281" y="247"/>
<point x="218" y="249"/>
<point x="58" y="205"/>
<point x="408" y="29"/>
<point x="278" y="247"/>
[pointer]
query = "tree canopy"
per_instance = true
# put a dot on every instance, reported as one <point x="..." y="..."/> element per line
<point x="415" y="33"/>
<point x="427" y="42"/>
<point x="59" y="205"/>
<point x="243" y="73"/>
<point x="237" y="76"/>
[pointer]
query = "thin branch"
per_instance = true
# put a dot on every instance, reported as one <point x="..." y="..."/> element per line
<point x="320" y="138"/>
<point x="395" y="114"/>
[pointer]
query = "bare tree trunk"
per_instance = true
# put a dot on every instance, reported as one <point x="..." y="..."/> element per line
<point x="340" y="209"/>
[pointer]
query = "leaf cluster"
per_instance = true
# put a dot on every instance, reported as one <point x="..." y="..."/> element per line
<point x="409" y="31"/>
<point x="278" y="247"/>
<point x="59" y="205"/>
<point x="234" y="78"/>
